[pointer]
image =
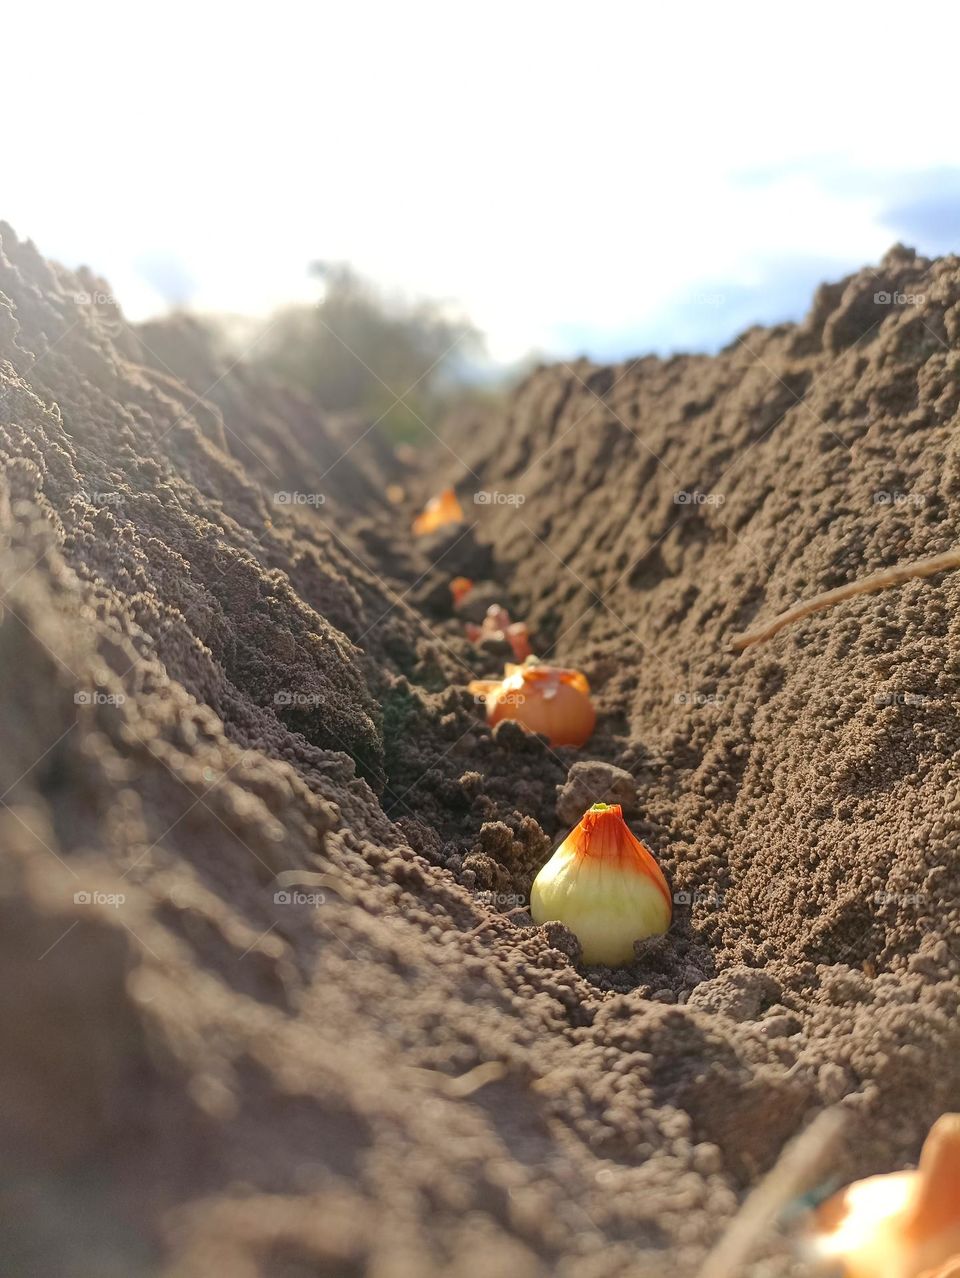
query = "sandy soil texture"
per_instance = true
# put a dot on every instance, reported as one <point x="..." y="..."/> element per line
<point x="271" y="1002"/>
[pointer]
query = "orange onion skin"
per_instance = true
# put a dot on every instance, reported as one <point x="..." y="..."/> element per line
<point x="902" y="1224"/>
<point x="547" y="700"/>
<point x="460" y="587"/>
<point x="606" y="886"/>
<point x="439" y="511"/>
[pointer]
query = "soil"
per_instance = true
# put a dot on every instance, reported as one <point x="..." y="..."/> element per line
<point x="272" y="1003"/>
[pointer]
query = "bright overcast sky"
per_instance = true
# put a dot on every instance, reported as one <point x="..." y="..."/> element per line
<point x="598" y="176"/>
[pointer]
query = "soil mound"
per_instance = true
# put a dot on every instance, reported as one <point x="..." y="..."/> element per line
<point x="272" y="1001"/>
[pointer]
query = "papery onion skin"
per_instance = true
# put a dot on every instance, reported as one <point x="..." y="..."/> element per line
<point x="901" y="1225"/>
<point x="546" y="699"/>
<point x="439" y="511"/>
<point x="605" y="886"/>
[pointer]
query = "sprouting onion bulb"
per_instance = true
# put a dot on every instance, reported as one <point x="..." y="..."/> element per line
<point x="547" y="699"/>
<point x="902" y="1225"/>
<point x="605" y="885"/>
<point x="438" y="512"/>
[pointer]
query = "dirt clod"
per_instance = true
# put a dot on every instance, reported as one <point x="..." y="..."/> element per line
<point x="592" y="781"/>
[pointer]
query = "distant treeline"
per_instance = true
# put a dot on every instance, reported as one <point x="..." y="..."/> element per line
<point x="358" y="352"/>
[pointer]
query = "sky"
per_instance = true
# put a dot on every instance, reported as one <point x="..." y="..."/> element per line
<point x="604" y="179"/>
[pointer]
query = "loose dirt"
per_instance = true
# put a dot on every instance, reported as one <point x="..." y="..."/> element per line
<point x="272" y="1003"/>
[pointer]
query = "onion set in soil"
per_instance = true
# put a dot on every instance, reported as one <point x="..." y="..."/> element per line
<point x="546" y="699"/>
<point x="439" y="512"/>
<point x="605" y="886"/>
<point x="902" y="1225"/>
<point x="460" y="587"/>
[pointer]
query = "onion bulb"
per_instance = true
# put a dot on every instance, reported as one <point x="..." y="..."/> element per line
<point x="902" y="1225"/>
<point x="438" y="512"/>
<point x="546" y="699"/>
<point x="460" y="587"/>
<point x="605" y="886"/>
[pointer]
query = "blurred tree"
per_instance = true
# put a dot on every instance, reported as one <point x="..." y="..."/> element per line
<point x="355" y="352"/>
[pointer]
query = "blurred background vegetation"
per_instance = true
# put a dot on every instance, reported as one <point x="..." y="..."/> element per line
<point x="358" y="352"/>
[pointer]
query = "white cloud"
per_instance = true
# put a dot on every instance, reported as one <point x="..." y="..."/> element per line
<point x="544" y="165"/>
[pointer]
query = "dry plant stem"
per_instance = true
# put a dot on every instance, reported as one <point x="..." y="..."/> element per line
<point x="866" y="586"/>
<point x="802" y="1161"/>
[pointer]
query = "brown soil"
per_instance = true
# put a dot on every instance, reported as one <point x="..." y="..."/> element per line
<point x="205" y="687"/>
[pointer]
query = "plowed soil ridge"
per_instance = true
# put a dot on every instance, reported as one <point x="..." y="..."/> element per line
<point x="271" y="1001"/>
